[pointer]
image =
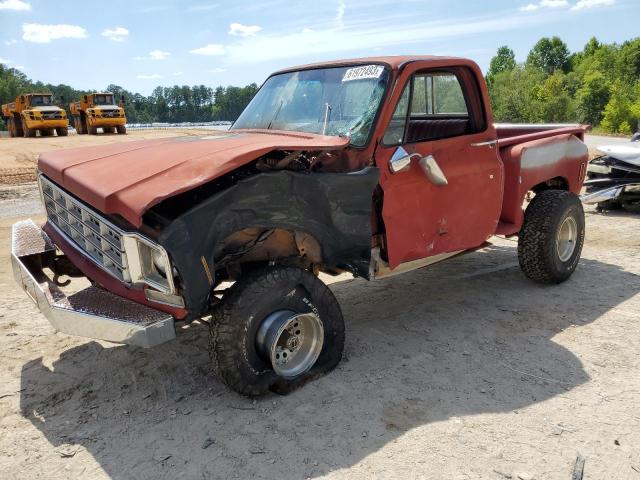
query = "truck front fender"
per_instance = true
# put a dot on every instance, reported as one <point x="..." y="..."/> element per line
<point x="334" y="208"/>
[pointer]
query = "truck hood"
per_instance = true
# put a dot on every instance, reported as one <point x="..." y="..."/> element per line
<point x="46" y="109"/>
<point x="626" y="153"/>
<point x="129" y="178"/>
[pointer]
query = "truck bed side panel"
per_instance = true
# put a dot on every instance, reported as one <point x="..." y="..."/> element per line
<point x="534" y="162"/>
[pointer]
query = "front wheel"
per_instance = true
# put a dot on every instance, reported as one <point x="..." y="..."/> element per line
<point x="550" y="241"/>
<point x="121" y="129"/>
<point x="62" y="131"/>
<point x="276" y="329"/>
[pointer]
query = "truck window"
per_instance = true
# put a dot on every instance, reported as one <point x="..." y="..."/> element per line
<point x="439" y="109"/>
<point x="394" y="134"/>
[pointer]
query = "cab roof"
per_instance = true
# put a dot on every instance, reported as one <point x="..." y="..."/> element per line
<point x="393" y="62"/>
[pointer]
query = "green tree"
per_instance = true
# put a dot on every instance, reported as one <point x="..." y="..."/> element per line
<point x="504" y="61"/>
<point x="592" y="97"/>
<point x="549" y="55"/>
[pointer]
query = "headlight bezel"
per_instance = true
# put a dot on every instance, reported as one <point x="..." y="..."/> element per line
<point x="142" y="267"/>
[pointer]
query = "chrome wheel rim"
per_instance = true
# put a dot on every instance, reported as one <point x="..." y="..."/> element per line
<point x="566" y="238"/>
<point x="291" y="342"/>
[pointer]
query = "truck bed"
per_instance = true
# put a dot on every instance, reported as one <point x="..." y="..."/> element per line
<point x="512" y="133"/>
<point x="532" y="156"/>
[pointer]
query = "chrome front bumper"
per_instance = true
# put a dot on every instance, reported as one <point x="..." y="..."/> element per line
<point x="609" y="193"/>
<point x="92" y="312"/>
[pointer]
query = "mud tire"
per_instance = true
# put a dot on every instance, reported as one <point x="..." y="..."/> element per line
<point x="537" y="252"/>
<point x="10" y="127"/>
<point x="122" y="129"/>
<point x="62" y="131"/>
<point x="28" y="132"/>
<point x="236" y="319"/>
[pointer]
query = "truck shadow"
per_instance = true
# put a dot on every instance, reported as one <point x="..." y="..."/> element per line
<point x="468" y="336"/>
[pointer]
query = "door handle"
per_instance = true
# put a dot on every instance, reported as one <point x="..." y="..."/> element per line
<point x="433" y="171"/>
<point x="490" y="144"/>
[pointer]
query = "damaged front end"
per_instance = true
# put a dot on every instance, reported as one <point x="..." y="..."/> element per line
<point x="613" y="179"/>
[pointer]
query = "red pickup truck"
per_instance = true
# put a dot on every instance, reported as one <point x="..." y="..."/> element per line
<point x="372" y="166"/>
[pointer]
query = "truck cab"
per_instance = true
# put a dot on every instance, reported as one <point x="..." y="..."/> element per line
<point x="372" y="166"/>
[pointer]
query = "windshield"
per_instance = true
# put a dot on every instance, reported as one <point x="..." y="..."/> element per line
<point x="340" y="101"/>
<point x="41" y="100"/>
<point x="103" y="99"/>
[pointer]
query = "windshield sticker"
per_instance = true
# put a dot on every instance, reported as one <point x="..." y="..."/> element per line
<point x="359" y="73"/>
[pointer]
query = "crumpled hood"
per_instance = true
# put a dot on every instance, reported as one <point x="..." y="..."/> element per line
<point x="626" y="153"/>
<point x="128" y="178"/>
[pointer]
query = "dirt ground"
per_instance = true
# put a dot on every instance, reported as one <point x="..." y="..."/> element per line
<point x="464" y="370"/>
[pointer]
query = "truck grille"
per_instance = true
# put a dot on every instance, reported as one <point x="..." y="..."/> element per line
<point x="90" y="232"/>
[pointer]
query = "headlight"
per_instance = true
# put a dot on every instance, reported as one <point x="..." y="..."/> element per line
<point x="148" y="263"/>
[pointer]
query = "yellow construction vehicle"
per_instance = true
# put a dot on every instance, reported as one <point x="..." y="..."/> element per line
<point x="98" y="110"/>
<point x="33" y="112"/>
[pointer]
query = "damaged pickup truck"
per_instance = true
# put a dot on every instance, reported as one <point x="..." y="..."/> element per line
<point x="374" y="167"/>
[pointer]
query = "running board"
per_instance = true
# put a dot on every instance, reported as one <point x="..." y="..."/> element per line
<point x="381" y="268"/>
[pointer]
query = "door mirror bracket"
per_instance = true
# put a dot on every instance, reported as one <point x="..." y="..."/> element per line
<point x="401" y="160"/>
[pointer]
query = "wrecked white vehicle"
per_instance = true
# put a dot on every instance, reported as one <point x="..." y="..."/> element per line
<point x="613" y="179"/>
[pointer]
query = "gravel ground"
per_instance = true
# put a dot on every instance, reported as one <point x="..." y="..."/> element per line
<point x="464" y="370"/>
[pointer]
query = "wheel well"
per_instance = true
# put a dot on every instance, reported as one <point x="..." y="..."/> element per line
<point x="258" y="246"/>
<point x="556" y="183"/>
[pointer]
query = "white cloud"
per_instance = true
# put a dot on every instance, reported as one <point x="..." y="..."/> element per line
<point x="38" y="33"/>
<point x="12" y="41"/>
<point x="158" y="54"/>
<point x="331" y="40"/>
<point x="307" y="30"/>
<point x="217" y="70"/>
<point x="340" y="14"/>
<point x="177" y="74"/>
<point x="532" y="7"/>
<point x="212" y="49"/>
<point x="152" y="76"/>
<point x="241" y="30"/>
<point x="117" y="34"/>
<point x="14" y="5"/>
<point x="202" y="8"/>
<point x="586" y="4"/>
<point x="9" y="63"/>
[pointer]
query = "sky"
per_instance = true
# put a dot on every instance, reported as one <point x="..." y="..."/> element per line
<point x="140" y="44"/>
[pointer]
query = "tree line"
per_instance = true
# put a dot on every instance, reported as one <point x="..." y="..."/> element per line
<point x="599" y="85"/>
<point x="197" y="103"/>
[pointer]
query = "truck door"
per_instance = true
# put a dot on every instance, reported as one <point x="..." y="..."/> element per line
<point x="441" y="174"/>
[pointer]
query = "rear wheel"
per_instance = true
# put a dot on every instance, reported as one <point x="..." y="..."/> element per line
<point x="46" y="132"/>
<point x="108" y="129"/>
<point x="550" y="241"/>
<point x="17" y="126"/>
<point x="276" y="329"/>
<point x="121" y="129"/>
<point x="10" y="127"/>
<point x="62" y="131"/>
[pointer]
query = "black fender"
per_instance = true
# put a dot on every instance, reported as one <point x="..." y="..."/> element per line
<point x="335" y="208"/>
